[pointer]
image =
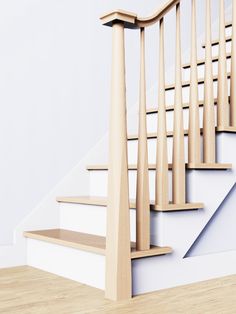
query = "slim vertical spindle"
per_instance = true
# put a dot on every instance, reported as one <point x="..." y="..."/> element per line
<point x="194" y="155"/>
<point x="161" y="187"/>
<point x="178" y="140"/>
<point x="142" y="190"/>
<point x="118" y="255"/>
<point x="223" y="99"/>
<point x="233" y="69"/>
<point x="209" y="154"/>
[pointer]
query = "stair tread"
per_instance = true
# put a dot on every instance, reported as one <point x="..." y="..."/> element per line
<point x="171" y="133"/>
<point x="171" y="107"/>
<point x="187" y="83"/>
<point x="202" y="61"/>
<point x="88" y="242"/>
<point x="215" y="42"/>
<point x="209" y="166"/>
<point x="102" y="201"/>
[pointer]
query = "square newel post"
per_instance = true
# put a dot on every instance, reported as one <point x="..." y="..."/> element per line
<point x="118" y="284"/>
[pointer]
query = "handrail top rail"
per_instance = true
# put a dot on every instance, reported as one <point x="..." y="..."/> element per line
<point x="132" y="20"/>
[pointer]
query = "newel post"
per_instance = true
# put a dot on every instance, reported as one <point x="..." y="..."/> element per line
<point x="118" y="283"/>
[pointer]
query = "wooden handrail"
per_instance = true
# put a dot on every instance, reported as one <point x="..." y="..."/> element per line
<point x="131" y="20"/>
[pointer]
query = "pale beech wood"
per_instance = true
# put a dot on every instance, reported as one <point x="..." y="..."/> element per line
<point x="102" y="201"/>
<point x="153" y="251"/>
<point x="26" y="290"/>
<point x="133" y="21"/>
<point x="157" y="16"/>
<point x="170" y="166"/>
<point x="142" y="189"/>
<point x="118" y="261"/>
<point x="222" y="92"/>
<point x="194" y="152"/>
<point x="178" y="172"/>
<point x="89" y="242"/>
<point x="177" y="207"/>
<point x="128" y="18"/>
<point x="161" y="178"/>
<point x="170" y="133"/>
<point x="233" y="70"/>
<point x="209" y="149"/>
<point x="202" y="61"/>
<point x="78" y="240"/>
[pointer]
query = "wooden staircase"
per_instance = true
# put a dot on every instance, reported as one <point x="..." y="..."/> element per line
<point x="117" y="246"/>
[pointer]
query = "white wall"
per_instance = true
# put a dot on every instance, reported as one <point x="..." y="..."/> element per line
<point x="54" y="95"/>
<point x="54" y="91"/>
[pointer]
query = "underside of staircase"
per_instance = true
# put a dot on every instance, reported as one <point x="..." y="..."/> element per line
<point x="149" y="187"/>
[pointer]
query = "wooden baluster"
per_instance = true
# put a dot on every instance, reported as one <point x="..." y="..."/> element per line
<point x="233" y="69"/>
<point x="194" y="153"/>
<point x="223" y="99"/>
<point x="161" y="188"/>
<point x="209" y="154"/>
<point x="178" y="140"/>
<point x="118" y="252"/>
<point x="142" y="191"/>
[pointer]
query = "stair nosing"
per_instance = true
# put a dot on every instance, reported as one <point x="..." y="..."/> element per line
<point x="100" y="250"/>
<point x="134" y="137"/>
<point x="102" y="201"/>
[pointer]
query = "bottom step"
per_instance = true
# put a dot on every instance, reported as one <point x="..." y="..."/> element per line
<point x="88" y="242"/>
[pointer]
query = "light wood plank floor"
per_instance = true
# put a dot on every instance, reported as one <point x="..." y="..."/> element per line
<point x="25" y="290"/>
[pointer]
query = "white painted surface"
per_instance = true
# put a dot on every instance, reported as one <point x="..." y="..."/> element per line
<point x="85" y="267"/>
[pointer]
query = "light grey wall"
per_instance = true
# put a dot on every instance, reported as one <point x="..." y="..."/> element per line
<point x="54" y="90"/>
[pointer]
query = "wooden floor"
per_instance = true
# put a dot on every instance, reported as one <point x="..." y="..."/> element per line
<point x="25" y="290"/>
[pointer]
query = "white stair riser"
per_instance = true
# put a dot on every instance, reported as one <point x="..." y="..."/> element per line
<point x="98" y="183"/>
<point x="133" y="150"/>
<point x="89" y="219"/>
<point x="84" y="267"/>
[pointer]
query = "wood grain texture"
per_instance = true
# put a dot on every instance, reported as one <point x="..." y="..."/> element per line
<point x="26" y="290"/>
<point x="102" y="201"/>
<point x="89" y="242"/>
<point x="194" y="150"/>
<point x="161" y="176"/>
<point x="209" y="147"/>
<point x="222" y="86"/>
<point x="142" y="188"/>
<point x="178" y="172"/>
<point x="118" y="261"/>
<point x="186" y="132"/>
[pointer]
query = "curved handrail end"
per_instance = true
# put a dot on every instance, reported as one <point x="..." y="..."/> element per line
<point x="128" y="18"/>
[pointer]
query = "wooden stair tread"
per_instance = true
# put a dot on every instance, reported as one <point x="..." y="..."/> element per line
<point x="187" y="83"/>
<point x="171" y="107"/>
<point x="219" y="166"/>
<point x="102" y="201"/>
<point x="88" y="242"/>
<point x="170" y="133"/>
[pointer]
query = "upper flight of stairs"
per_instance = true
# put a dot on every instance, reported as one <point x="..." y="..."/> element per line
<point x="72" y="208"/>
